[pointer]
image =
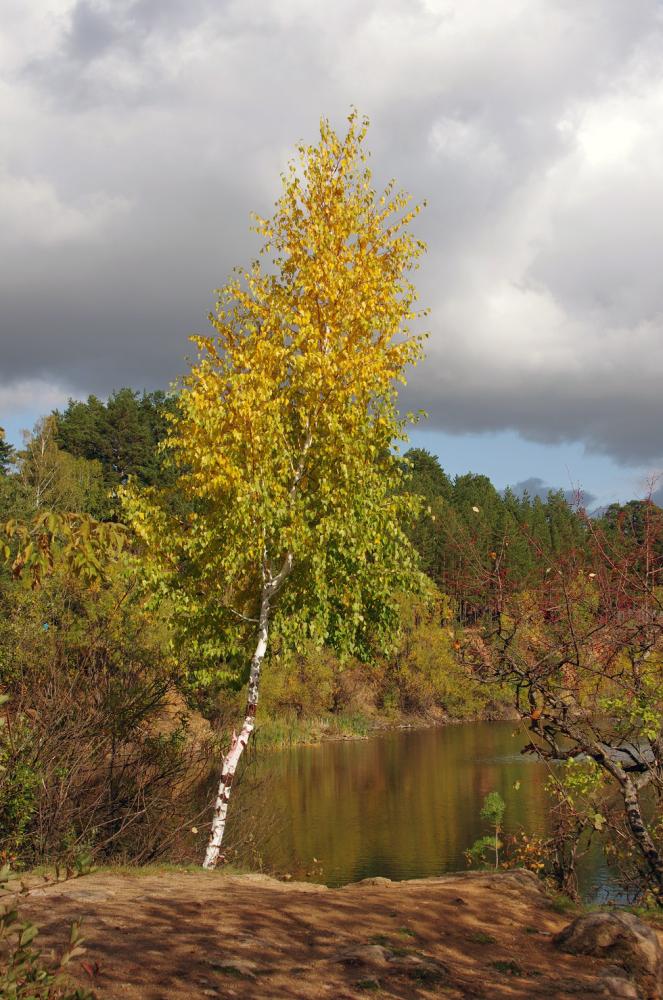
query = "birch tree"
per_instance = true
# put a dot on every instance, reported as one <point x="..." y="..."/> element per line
<point x="283" y="438"/>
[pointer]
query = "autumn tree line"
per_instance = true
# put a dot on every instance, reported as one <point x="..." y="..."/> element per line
<point x="171" y="560"/>
<point x="63" y="642"/>
<point x="77" y="460"/>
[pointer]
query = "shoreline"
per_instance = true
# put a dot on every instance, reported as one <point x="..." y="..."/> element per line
<point x="282" y="732"/>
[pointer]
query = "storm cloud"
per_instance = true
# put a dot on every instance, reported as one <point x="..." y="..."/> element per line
<point x="142" y="134"/>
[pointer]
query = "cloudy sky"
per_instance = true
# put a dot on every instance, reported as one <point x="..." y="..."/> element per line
<point x="137" y="135"/>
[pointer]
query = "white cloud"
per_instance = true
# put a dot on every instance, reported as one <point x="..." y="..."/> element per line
<point x="32" y="213"/>
<point x="30" y="396"/>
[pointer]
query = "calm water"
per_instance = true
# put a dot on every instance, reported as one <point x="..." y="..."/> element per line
<point x="403" y="805"/>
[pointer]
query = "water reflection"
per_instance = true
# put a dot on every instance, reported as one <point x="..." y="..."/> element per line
<point x="403" y="805"/>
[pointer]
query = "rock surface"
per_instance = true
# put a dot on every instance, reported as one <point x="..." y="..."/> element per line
<point x="623" y="939"/>
<point x="177" y="935"/>
<point x="376" y="880"/>
<point x="619" y="988"/>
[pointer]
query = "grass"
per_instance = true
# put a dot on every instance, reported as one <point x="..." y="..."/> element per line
<point x="480" y="937"/>
<point x="509" y="968"/>
<point x="650" y="914"/>
<point x="274" y="733"/>
<point x="380" y="939"/>
<point x="230" y="970"/>
<point x="154" y="868"/>
<point x="562" y="904"/>
<point x="279" y="731"/>
<point x="140" y="871"/>
<point x="425" y="975"/>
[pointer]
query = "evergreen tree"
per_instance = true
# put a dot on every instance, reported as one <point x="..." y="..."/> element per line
<point x="426" y="478"/>
<point x="6" y="454"/>
<point x="122" y="434"/>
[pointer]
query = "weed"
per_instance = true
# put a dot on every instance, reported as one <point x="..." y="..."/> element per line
<point x="510" y="967"/>
<point x="380" y="939"/>
<point x="562" y="904"/>
<point x="480" y="937"/>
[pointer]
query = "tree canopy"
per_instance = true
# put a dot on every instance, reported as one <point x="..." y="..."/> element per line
<point x="282" y="433"/>
<point x="122" y="434"/>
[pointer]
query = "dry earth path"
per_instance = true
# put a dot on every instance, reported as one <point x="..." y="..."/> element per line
<point x="183" y="935"/>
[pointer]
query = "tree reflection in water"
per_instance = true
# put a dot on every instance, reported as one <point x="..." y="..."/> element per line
<point x="403" y="804"/>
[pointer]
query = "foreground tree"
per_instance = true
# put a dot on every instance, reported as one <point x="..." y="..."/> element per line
<point x="283" y="438"/>
<point x="582" y="644"/>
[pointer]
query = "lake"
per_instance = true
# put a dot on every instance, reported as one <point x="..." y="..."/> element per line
<point x="402" y="804"/>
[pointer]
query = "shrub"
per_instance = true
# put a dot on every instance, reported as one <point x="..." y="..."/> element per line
<point x="96" y="748"/>
<point x="24" y="974"/>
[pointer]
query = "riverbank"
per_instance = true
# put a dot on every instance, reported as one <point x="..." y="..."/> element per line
<point x="181" y="935"/>
<point x="278" y="732"/>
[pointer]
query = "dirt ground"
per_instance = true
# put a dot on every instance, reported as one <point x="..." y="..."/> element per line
<point x="177" y="935"/>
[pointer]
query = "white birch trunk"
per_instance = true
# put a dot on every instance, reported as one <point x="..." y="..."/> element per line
<point x="239" y="742"/>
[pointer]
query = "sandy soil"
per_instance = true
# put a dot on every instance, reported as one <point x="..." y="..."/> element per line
<point x="177" y="935"/>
